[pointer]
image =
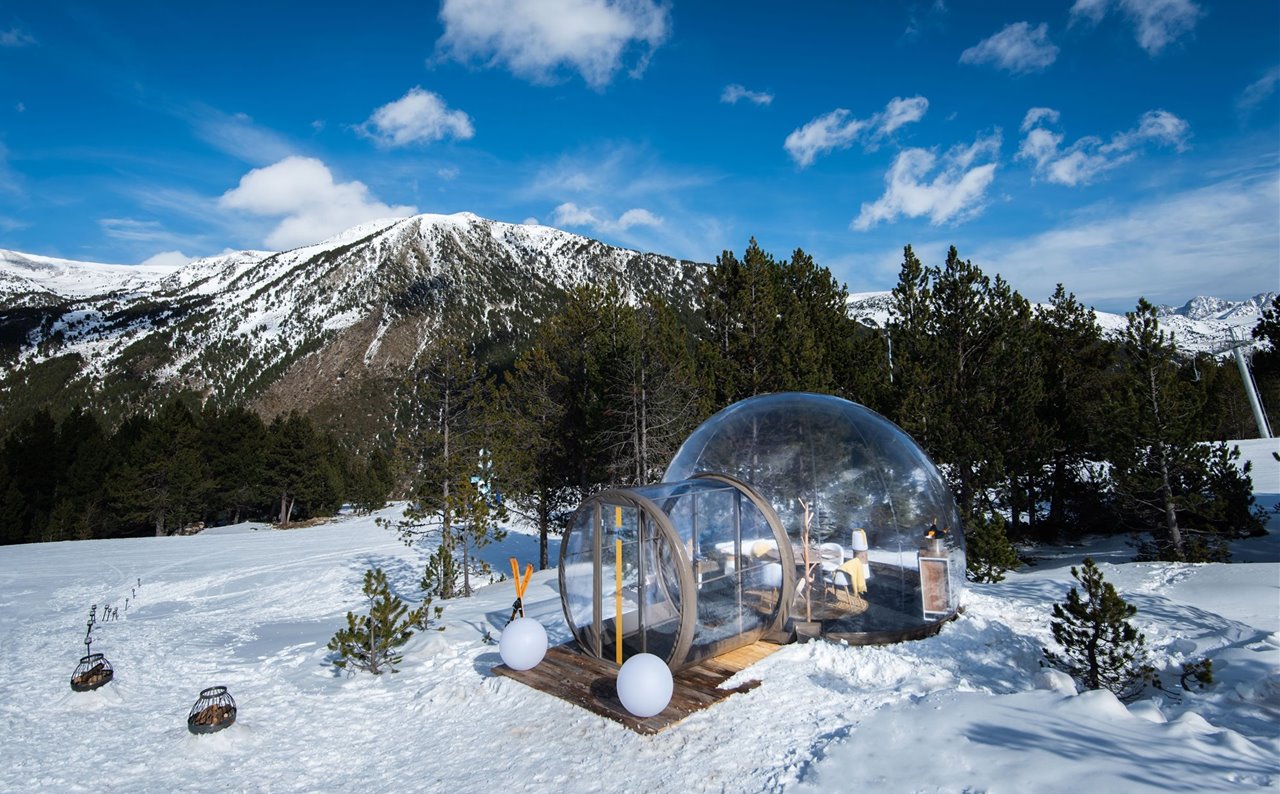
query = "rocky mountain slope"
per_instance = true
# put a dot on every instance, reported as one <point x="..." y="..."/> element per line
<point x="323" y="328"/>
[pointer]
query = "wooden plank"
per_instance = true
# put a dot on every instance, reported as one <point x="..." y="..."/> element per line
<point x="589" y="682"/>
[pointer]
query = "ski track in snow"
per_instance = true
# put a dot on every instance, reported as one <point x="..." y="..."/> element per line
<point x="253" y="608"/>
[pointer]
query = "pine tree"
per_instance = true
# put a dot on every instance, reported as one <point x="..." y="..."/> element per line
<point x="235" y="441"/>
<point x="445" y="432"/>
<point x="477" y="520"/>
<point x="910" y="336"/>
<point x="1074" y="359"/>
<point x="1266" y="362"/>
<point x="1151" y="432"/>
<point x="650" y="393"/>
<point x="371" y="642"/>
<point x="1100" y="648"/>
<point x="530" y="418"/>
<point x="988" y="552"/>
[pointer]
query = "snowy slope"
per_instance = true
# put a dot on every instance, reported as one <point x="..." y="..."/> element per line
<point x="252" y="608"/>
<point x="362" y="304"/>
<point x="1202" y="325"/>
<point x="32" y="275"/>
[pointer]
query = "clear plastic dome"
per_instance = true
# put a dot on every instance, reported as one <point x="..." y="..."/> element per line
<point x="882" y="557"/>
<point x="685" y="570"/>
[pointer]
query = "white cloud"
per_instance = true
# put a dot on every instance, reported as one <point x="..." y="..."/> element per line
<point x="1018" y="48"/>
<point x="236" y="134"/>
<point x="16" y="37"/>
<point x="1157" y="23"/>
<point x="135" y="230"/>
<point x="570" y="214"/>
<point x="302" y="192"/>
<point x="1036" y="115"/>
<point x="535" y="39"/>
<point x="898" y="113"/>
<point x="530" y="221"/>
<point x="173" y="259"/>
<point x="837" y="130"/>
<point x="830" y="131"/>
<point x="1083" y="161"/>
<point x="420" y="116"/>
<point x="1258" y="91"/>
<point x="955" y="193"/>
<point x="448" y="173"/>
<point x="1205" y="241"/>
<point x="733" y="93"/>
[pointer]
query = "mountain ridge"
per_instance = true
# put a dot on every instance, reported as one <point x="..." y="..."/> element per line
<point x="241" y="325"/>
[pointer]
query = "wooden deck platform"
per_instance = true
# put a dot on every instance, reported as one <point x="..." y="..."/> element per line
<point x="588" y="682"/>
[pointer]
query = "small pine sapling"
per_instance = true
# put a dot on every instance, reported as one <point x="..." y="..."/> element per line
<point x="1197" y="674"/>
<point x="371" y="642"/>
<point x="988" y="552"/>
<point x="1100" y="648"/>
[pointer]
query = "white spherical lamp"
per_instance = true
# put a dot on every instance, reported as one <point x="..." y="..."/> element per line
<point x="523" y="644"/>
<point x="645" y="685"/>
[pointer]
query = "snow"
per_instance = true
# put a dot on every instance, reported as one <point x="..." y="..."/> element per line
<point x="73" y="279"/>
<point x="252" y="608"/>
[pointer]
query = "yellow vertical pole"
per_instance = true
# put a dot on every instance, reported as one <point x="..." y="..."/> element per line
<point x="617" y="548"/>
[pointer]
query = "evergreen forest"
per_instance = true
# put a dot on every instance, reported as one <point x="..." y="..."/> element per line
<point x="1046" y="428"/>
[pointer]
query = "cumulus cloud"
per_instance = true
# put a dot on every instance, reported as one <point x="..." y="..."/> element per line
<point x="838" y="130"/>
<point x="1156" y="23"/>
<point x="420" y="116"/>
<point x="171" y="259"/>
<point x="956" y="192"/>
<point x="1258" y="91"/>
<point x="1018" y="48"/>
<point x="302" y="192"/>
<point x="570" y="214"/>
<point x="733" y="93"/>
<point x="534" y="40"/>
<point x="1083" y="161"/>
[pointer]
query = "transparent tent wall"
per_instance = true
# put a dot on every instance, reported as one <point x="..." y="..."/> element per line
<point x="866" y="484"/>
<point x="702" y="570"/>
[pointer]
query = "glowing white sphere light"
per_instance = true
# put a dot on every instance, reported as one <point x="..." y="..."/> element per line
<point x="645" y="685"/>
<point x="523" y="644"/>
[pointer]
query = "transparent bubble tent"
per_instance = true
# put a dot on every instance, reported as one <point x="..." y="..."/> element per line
<point x="782" y="514"/>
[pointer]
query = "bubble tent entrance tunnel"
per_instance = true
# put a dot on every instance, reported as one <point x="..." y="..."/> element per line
<point x="720" y="554"/>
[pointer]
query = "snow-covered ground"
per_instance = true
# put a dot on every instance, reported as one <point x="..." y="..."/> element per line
<point x="252" y="608"/>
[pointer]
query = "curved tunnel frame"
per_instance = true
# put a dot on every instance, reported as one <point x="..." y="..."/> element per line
<point x="653" y="518"/>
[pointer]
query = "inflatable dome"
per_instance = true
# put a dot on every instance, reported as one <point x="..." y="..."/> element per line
<point x="784" y="514"/>
<point x="847" y="484"/>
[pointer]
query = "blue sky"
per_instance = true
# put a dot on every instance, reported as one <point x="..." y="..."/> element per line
<point x="1122" y="147"/>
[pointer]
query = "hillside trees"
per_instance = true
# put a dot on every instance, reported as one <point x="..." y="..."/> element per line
<point x="605" y="395"/>
<point x="1073" y="364"/>
<point x="966" y="386"/>
<point x="1163" y="477"/>
<point x="70" y="479"/>
<point x="771" y="325"/>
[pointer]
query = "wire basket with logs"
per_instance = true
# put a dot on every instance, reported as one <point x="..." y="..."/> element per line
<point x="93" y="671"/>
<point x="213" y="711"/>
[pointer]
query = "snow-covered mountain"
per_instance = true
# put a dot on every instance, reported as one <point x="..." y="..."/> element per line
<point x="1202" y="325"/>
<point x="323" y="326"/>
